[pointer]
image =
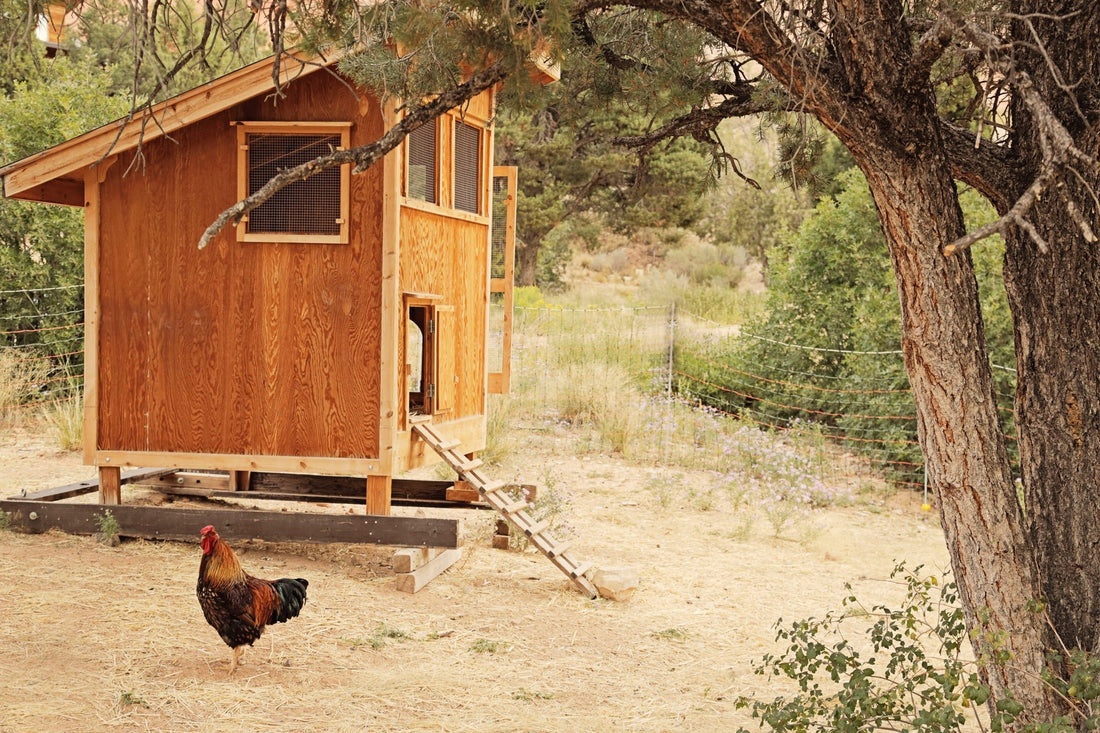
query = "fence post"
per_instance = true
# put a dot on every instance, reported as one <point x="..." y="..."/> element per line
<point x="671" y="347"/>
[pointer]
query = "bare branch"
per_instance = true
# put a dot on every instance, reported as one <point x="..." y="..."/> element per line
<point x="362" y="156"/>
<point x="1014" y="217"/>
<point x="699" y="123"/>
<point x="929" y="49"/>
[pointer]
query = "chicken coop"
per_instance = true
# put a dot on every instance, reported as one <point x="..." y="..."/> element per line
<point x="314" y="350"/>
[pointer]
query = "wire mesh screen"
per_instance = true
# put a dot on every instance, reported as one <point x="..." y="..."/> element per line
<point x="499" y="226"/>
<point x="309" y="206"/>
<point x="494" y="353"/>
<point x="467" y="167"/>
<point x="421" y="175"/>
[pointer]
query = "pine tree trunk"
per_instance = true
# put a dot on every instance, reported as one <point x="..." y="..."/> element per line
<point x="965" y="453"/>
<point x="527" y="260"/>
<point x="1055" y="300"/>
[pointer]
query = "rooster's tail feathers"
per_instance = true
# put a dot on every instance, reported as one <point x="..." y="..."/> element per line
<point x="292" y="596"/>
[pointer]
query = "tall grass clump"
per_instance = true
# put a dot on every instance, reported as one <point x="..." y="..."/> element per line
<point x="20" y="377"/>
<point x="65" y="419"/>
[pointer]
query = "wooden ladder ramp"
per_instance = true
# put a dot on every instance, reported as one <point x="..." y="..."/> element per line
<point x="513" y="510"/>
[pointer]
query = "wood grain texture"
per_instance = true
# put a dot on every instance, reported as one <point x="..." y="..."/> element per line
<point x="449" y="256"/>
<point x="234" y="524"/>
<point x="261" y="349"/>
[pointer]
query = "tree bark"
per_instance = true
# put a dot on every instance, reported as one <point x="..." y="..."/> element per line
<point x="1055" y="300"/>
<point x="964" y="449"/>
<point x="891" y="126"/>
<point x="527" y="261"/>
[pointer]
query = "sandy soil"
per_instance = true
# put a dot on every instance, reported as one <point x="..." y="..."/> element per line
<point x="95" y="637"/>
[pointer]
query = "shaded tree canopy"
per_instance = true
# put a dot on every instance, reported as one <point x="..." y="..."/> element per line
<point x="1003" y="95"/>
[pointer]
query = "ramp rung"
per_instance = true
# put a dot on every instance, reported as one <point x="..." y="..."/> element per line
<point x="535" y="529"/>
<point x="513" y="507"/>
<point x="580" y="570"/>
<point x="559" y="549"/>
<point x="469" y="465"/>
<point x="451" y="444"/>
<point x="492" y="486"/>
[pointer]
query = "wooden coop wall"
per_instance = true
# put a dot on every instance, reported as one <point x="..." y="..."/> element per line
<point x="448" y="257"/>
<point x="251" y="348"/>
<point x="445" y="255"/>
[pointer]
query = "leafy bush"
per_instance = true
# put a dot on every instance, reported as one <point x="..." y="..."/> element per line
<point x="831" y="295"/>
<point x="914" y="678"/>
<point x="916" y="675"/>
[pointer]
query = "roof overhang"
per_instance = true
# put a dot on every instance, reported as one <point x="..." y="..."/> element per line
<point x="56" y="175"/>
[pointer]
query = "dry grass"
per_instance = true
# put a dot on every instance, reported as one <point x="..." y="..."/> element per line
<point x="99" y="638"/>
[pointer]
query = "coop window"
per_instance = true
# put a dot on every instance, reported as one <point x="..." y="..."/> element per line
<point x="421" y="177"/>
<point x="467" y="167"/>
<point x="313" y="209"/>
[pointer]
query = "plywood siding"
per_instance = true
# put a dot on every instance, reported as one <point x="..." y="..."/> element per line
<point x="240" y="348"/>
<point x="447" y="256"/>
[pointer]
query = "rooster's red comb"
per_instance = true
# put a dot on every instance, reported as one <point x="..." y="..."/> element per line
<point x="207" y="530"/>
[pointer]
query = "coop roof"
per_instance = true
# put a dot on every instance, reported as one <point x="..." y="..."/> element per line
<point x="56" y="175"/>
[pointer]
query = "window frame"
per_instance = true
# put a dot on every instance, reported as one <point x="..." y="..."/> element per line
<point x="437" y="188"/>
<point x="244" y="129"/>
<point x="479" y="189"/>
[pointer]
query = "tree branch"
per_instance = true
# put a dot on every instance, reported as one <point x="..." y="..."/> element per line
<point x="699" y="123"/>
<point x="363" y="156"/>
<point x="928" y="50"/>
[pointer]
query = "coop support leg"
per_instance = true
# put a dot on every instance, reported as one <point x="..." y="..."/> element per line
<point x="379" y="491"/>
<point x="110" y="485"/>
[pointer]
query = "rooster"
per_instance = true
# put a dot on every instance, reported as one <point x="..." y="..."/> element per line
<point x="237" y="605"/>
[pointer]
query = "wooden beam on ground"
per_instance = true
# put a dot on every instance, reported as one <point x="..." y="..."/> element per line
<point x="86" y="487"/>
<point x="110" y="485"/>
<point x="408" y="559"/>
<point x="170" y="523"/>
<point x="417" y="579"/>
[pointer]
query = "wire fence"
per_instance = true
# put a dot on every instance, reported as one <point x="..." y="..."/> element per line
<point x="671" y="383"/>
<point x="698" y="384"/>
<point x="41" y="347"/>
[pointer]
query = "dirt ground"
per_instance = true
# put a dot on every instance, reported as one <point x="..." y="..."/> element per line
<point x="95" y="637"/>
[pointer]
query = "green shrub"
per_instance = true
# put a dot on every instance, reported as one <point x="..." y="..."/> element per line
<point x="913" y="674"/>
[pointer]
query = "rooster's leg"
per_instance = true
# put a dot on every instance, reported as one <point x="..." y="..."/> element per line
<point x="236" y="660"/>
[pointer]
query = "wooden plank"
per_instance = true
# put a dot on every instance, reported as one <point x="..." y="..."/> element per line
<point x="170" y="523"/>
<point x="379" y="491"/>
<point x="408" y="559"/>
<point x="414" y="581"/>
<point x="110" y="485"/>
<point x="347" y="486"/>
<point x="463" y="491"/>
<point x="391" y="403"/>
<point x="357" y="500"/>
<point x="92" y="211"/>
<point x="192" y="479"/>
<point x="227" y="461"/>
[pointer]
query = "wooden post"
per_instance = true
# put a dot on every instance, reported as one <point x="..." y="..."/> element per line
<point x="379" y="490"/>
<point x="240" y="480"/>
<point x="110" y="485"/>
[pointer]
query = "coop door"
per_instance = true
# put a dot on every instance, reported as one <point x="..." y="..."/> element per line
<point x="429" y="358"/>
<point x="502" y="277"/>
<point x="446" y="378"/>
